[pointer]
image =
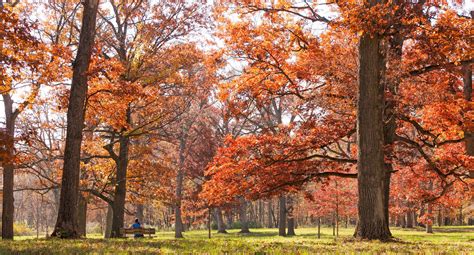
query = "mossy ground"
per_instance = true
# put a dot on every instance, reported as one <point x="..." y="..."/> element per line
<point x="445" y="240"/>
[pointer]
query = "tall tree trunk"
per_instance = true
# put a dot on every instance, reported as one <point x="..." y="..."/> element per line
<point x="282" y="215"/>
<point x="139" y="213"/>
<point x="244" y="223"/>
<point x="410" y="220"/>
<point x="82" y="216"/>
<point x="270" y="213"/>
<point x="121" y="183"/>
<point x="319" y="227"/>
<point x="66" y="224"/>
<point x="372" y="177"/>
<point x="178" y="229"/>
<point x="290" y="216"/>
<point x="108" y="221"/>
<point x="8" y="170"/>
<point x="220" y="221"/>
<point x="468" y="134"/>
<point x="429" y="224"/>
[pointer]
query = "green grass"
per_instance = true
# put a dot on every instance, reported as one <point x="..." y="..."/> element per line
<point x="453" y="240"/>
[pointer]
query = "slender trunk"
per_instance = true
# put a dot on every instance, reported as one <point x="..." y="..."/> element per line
<point x="261" y="213"/>
<point x="282" y="215"/>
<point x="333" y="224"/>
<point x="139" y="213"/>
<point x="439" y="218"/>
<point x="319" y="227"/>
<point x="66" y="224"/>
<point x="8" y="170"/>
<point x="108" y="221"/>
<point x="82" y="216"/>
<point x="220" y="221"/>
<point x="244" y="224"/>
<point x="209" y="223"/>
<point x="429" y="224"/>
<point x="270" y="213"/>
<point x="372" y="177"/>
<point x="178" y="228"/>
<point x="461" y="217"/>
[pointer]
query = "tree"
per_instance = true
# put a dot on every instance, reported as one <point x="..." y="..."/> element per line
<point x="66" y="224"/>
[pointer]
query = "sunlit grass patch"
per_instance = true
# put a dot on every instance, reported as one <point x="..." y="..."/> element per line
<point x="260" y="241"/>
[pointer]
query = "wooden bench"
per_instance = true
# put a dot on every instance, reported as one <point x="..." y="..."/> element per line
<point x="132" y="231"/>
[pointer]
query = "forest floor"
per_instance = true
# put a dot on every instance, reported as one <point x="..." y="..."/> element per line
<point x="445" y="240"/>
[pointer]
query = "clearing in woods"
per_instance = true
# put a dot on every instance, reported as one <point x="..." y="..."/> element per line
<point x="445" y="240"/>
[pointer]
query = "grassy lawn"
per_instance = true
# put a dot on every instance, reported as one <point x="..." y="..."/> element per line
<point x="453" y="240"/>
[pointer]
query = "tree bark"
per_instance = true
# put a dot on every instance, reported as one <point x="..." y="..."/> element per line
<point x="108" y="221"/>
<point x="468" y="134"/>
<point x="8" y="209"/>
<point x="429" y="224"/>
<point x="178" y="229"/>
<point x="139" y="213"/>
<point x="410" y="219"/>
<point x="319" y="227"/>
<point x="82" y="216"/>
<point x="270" y="214"/>
<point x="372" y="177"/>
<point x="121" y="184"/>
<point x="282" y="215"/>
<point x="220" y="221"/>
<point x="66" y="224"/>
<point x="290" y="216"/>
<point x="244" y="224"/>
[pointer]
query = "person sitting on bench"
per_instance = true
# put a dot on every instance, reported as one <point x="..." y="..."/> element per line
<point x="137" y="225"/>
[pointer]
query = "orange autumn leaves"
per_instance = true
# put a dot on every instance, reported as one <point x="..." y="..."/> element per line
<point x="315" y="75"/>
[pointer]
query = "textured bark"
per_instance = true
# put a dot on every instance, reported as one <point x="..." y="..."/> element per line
<point x="282" y="215"/>
<point x="66" y="224"/>
<point x="290" y="216"/>
<point x="468" y="134"/>
<point x="244" y="224"/>
<point x="178" y="228"/>
<point x="410" y="219"/>
<point x="220" y="221"/>
<point x="139" y="212"/>
<point x="108" y="222"/>
<point x="319" y="227"/>
<point x="82" y="216"/>
<point x="121" y="184"/>
<point x="429" y="224"/>
<point x="372" y="177"/>
<point x="8" y="170"/>
<point x="270" y="214"/>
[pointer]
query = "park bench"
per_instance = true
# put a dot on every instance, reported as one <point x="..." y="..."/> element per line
<point x="132" y="231"/>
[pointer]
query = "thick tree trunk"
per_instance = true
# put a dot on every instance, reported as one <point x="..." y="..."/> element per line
<point x="108" y="221"/>
<point x="282" y="215"/>
<point x="290" y="216"/>
<point x="8" y="170"/>
<point x="66" y="224"/>
<point x="220" y="221"/>
<point x="244" y="224"/>
<point x="82" y="216"/>
<point x="121" y="185"/>
<point x="372" y="177"/>
<point x="468" y="133"/>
